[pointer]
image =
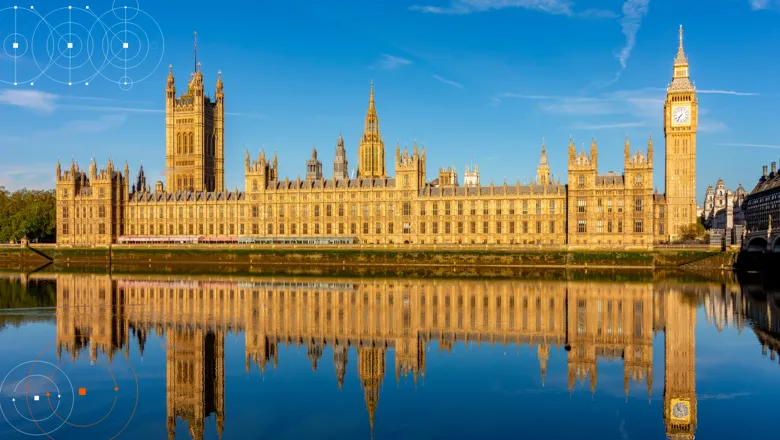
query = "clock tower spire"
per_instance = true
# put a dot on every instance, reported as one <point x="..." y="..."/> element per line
<point x="680" y="126"/>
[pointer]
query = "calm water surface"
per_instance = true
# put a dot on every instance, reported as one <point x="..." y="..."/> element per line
<point x="166" y="356"/>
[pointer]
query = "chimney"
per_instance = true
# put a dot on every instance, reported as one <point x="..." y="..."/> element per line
<point x="764" y="171"/>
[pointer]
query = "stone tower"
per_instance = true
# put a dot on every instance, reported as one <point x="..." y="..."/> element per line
<point x="313" y="166"/>
<point x="543" y="171"/>
<point x="371" y="152"/>
<point x="410" y="169"/>
<point x="680" y="411"/>
<point x="340" y="164"/>
<point x="194" y="139"/>
<point x="195" y="376"/>
<point x="681" y="119"/>
<point x="638" y="179"/>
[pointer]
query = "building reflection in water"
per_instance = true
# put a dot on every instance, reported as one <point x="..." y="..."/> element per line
<point x="591" y="320"/>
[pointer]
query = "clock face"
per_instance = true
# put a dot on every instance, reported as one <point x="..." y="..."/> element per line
<point x="681" y="115"/>
<point x="680" y="410"/>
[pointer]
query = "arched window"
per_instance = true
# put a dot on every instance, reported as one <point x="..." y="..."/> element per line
<point x="178" y="183"/>
<point x="192" y="142"/>
<point x="178" y="143"/>
<point x="192" y="182"/>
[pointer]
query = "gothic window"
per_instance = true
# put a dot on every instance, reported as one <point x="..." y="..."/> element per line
<point x="192" y="182"/>
<point x="638" y="226"/>
<point x="178" y="143"/>
<point x="582" y="226"/>
<point x="552" y="227"/>
<point x="638" y="204"/>
<point x="638" y="180"/>
<point x="192" y="143"/>
<point x="581" y="207"/>
<point x="581" y="180"/>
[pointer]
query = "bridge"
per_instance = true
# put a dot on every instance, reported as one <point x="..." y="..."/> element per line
<point x="762" y="241"/>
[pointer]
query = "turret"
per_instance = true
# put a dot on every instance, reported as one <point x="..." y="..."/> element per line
<point x="543" y="171"/>
<point x="650" y="150"/>
<point x="340" y="164"/>
<point x="627" y="150"/>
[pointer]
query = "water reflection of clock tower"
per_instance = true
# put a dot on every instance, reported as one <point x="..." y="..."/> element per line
<point x="681" y="119"/>
<point x="680" y="412"/>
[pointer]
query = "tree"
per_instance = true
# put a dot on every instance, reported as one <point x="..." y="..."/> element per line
<point x="691" y="232"/>
<point x="30" y="213"/>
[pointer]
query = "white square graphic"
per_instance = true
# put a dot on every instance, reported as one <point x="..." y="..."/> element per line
<point x="36" y="398"/>
<point x="125" y="45"/>
<point x="70" y="45"/>
<point x="16" y="45"/>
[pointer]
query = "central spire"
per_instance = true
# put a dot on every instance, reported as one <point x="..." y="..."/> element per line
<point x="371" y="151"/>
<point x="680" y="59"/>
<point x="195" y="53"/>
<point x="372" y="121"/>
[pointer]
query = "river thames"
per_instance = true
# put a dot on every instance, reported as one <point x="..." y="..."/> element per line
<point x="166" y="355"/>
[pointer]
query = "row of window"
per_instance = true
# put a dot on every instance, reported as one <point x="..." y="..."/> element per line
<point x="611" y="227"/>
<point x="84" y="229"/>
<point x="84" y="212"/>
<point x="582" y="205"/>
<point x="446" y="208"/>
<point x="365" y="228"/>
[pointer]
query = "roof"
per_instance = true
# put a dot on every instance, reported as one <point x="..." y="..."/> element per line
<point x="498" y="190"/>
<point x="609" y="180"/>
<point x="768" y="183"/>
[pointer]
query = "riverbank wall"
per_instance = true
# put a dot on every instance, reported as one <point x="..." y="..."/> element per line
<point x="693" y="259"/>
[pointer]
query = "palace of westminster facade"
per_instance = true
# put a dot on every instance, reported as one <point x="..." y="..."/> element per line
<point x="97" y="207"/>
<point x="368" y="319"/>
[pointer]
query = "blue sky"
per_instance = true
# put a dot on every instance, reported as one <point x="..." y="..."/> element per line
<point x="480" y="81"/>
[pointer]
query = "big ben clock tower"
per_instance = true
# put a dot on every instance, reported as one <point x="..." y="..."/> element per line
<point x="681" y="119"/>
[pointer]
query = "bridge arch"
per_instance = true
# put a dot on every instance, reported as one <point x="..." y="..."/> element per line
<point x="757" y="244"/>
<point x="776" y="245"/>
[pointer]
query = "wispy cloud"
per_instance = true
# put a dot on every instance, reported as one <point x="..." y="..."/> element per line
<point x="758" y="5"/>
<point x="735" y="144"/>
<point x="246" y="115"/>
<point x="447" y="81"/>
<point x="722" y="396"/>
<point x="34" y="100"/>
<point x="632" y="13"/>
<point x="712" y="127"/>
<point x="88" y="126"/>
<point x="390" y="62"/>
<point x="726" y="92"/>
<point x="555" y="7"/>
<point x="113" y="109"/>
<point x="641" y="103"/>
<point x="580" y="126"/>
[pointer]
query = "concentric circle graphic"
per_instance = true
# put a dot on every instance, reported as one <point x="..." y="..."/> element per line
<point x="74" y="45"/>
<point x="37" y="398"/>
<point x="24" y="396"/>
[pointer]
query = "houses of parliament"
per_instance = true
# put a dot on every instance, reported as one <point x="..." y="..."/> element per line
<point x="593" y="322"/>
<point x="102" y="207"/>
